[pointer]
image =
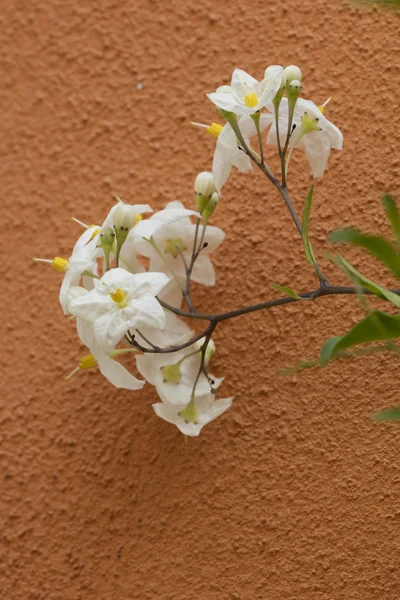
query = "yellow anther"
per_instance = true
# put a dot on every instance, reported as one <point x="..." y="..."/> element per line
<point x="59" y="264"/>
<point x="172" y="246"/>
<point x="118" y="295"/>
<point x="95" y="232"/>
<point x="214" y="130"/>
<point x="87" y="362"/>
<point x="251" y="100"/>
<point x="322" y="107"/>
<point x="138" y="218"/>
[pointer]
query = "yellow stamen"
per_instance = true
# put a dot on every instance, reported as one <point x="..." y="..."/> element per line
<point x="87" y="362"/>
<point x="322" y="107"/>
<point x="59" y="264"/>
<point x="214" y="130"/>
<point x="173" y="246"/>
<point x="118" y="295"/>
<point x="138" y="218"/>
<point x="251" y="100"/>
<point x="95" y="232"/>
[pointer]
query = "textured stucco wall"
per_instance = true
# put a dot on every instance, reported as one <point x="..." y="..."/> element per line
<point x="294" y="493"/>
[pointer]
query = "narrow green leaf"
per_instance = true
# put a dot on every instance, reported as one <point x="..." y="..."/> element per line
<point x="374" y="244"/>
<point x="388" y="415"/>
<point x="308" y="251"/>
<point x="377" y="326"/>
<point x="286" y="290"/>
<point x="393" y="215"/>
<point x="366" y="283"/>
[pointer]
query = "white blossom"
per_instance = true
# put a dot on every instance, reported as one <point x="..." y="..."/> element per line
<point x="173" y="375"/>
<point x="174" y="240"/>
<point x="198" y="413"/>
<point x="313" y="132"/>
<point x="121" y="301"/>
<point x="245" y="95"/>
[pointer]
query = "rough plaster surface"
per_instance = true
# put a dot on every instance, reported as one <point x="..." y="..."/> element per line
<point x="294" y="493"/>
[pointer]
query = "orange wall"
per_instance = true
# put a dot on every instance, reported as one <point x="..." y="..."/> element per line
<point x="294" y="493"/>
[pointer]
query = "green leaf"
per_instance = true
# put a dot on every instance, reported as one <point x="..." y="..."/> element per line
<point x="308" y="251"/>
<point x="286" y="290"/>
<point x="377" y="326"/>
<point x="366" y="283"/>
<point x="374" y="244"/>
<point x="388" y="415"/>
<point x="393" y="215"/>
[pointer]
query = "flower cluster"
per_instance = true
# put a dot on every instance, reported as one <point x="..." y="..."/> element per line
<point x="126" y="279"/>
<point x="292" y="121"/>
<point x="117" y="302"/>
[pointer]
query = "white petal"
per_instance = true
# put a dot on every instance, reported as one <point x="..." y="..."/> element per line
<point x="109" y="329"/>
<point x="242" y="83"/>
<point x="214" y="236"/>
<point x="242" y="162"/>
<point x="203" y="271"/>
<point x="221" y="169"/>
<point x="224" y="101"/>
<point x="270" y="85"/>
<point x="91" y="306"/>
<point x="117" y="374"/>
<point x="147" y="312"/>
<point x="318" y="148"/>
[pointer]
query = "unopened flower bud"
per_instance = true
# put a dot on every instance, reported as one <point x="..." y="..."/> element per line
<point x="293" y="90"/>
<point x="123" y="217"/>
<point x="204" y="188"/>
<point x="292" y="73"/>
<point x="210" y="207"/>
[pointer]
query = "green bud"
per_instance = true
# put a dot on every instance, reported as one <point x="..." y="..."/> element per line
<point x="292" y="73"/>
<point x="204" y="188"/>
<point x="210" y="207"/>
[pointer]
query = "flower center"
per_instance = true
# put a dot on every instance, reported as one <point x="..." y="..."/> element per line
<point x="309" y="124"/>
<point x="190" y="414"/>
<point x="87" y="362"/>
<point x="173" y="245"/>
<point x="251" y="100"/>
<point x="118" y="296"/>
<point x="171" y="373"/>
<point x="214" y="129"/>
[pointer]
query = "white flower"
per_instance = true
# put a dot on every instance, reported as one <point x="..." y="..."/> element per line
<point x="228" y="152"/>
<point x="175" y="240"/>
<point x="125" y="215"/>
<point x="313" y="132"/>
<point x="174" y="212"/>
<point x="173" y="375"/>
<point x="119" y="302"/>
<point x="112" y="370"/>
<point x="198" y="413"/>
<point x="82" y="259"/>
<point x="246" y="95"/>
